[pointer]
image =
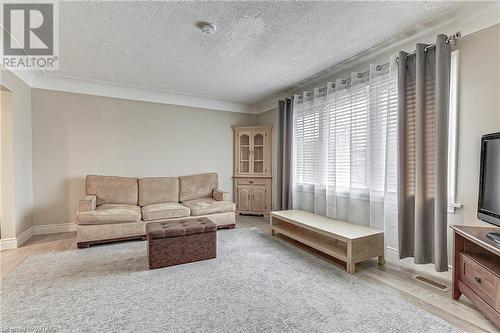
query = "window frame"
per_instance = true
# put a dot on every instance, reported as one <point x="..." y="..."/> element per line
<point x="453" y="133"/>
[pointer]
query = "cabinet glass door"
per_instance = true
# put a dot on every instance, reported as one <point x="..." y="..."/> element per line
<point x="258" y="152"/>
<point x="244" y="161"/>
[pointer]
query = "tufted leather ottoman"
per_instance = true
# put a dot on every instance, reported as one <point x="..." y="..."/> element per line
<point x="179" y="242"/>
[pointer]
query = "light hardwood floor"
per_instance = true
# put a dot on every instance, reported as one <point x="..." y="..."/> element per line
<point x="397" y="275"/>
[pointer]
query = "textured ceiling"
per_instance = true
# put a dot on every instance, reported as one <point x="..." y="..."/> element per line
<point x="260" y="48"/>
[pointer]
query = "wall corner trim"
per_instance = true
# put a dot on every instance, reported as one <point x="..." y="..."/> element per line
<point x="14" y="243"/>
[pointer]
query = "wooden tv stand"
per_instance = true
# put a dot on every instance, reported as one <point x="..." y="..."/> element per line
<point x="348" y="242"/>
<point x="476" y="269"/>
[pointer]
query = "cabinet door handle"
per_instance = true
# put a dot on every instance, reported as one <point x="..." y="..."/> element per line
<point x="250" y="181"/>
<point x="478" y="279"/>
<point x="249" y="197"/>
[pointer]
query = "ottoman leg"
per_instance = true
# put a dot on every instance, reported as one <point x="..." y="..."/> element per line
<point x="82" y="245"/>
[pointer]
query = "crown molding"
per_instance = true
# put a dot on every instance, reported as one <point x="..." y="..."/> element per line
<point x="468" y="18"/>
<point x="115" y="90"/>
<point x="38" y="79"/>
<point x="24" y="75"/>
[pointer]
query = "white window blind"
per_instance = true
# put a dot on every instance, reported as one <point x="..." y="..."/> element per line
<point x="342" y="134"/>
<point x="339" y="157"/>
<point x="383" y="135"/>
<point x="346" y="135"/>
<point x="359" y="137"/>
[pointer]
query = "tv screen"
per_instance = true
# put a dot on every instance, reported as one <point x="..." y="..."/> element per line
<point x="489" y="182"/>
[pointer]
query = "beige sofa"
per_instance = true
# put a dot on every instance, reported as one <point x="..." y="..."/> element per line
<point x="118" y="208"/>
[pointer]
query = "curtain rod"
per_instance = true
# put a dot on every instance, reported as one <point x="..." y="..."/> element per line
<point x="452" y="38"/>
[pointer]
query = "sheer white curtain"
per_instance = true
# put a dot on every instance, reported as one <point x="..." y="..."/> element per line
<point x="344" y="156"/>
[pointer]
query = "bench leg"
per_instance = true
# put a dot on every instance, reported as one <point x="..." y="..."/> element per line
<point x="381" y="260"/>
<point x="272" y="232"/>
<point x="350" y="265"/>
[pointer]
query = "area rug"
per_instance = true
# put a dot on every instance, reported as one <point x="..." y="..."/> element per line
<point x="258" y="283"/>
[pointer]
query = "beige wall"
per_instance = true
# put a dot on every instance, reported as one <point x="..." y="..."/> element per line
<point x="7" y="208"/>
<point x="478" y="113"/>
<point x="75" y="135"/>
<point x="20" y="190"/>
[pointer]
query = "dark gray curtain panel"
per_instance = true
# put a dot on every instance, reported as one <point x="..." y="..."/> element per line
<point x="284" y="174"/>
<point x="423" y="98"/>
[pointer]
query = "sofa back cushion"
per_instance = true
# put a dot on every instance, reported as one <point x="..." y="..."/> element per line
<point x="112" y="190"/>
<point x="197" y="186"/>
<point x="158" y="190"/>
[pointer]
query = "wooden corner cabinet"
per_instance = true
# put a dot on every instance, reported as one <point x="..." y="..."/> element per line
<point x="252" y="169"/>
<point x="476" y="269"/>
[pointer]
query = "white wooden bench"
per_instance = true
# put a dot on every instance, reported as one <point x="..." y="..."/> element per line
<point x="345" y="241"/>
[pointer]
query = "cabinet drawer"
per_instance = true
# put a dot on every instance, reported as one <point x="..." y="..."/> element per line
<point x="481" y="280"/>
<point x="251" y="181"/>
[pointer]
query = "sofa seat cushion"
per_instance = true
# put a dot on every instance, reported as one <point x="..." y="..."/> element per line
<point x="110" y="213"/>
<point x="167" y="210"/>
<point x="205" y="206"/>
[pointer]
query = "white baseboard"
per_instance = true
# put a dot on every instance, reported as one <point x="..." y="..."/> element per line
<point x="14" y="243"/>
<point x="21" y="239"/>
<point x="54" y="228"/>
<point x="8" y="243"/>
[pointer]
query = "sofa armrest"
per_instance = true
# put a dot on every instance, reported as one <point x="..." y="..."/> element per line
<point x="89" y="202"/>
<point x="220" y="195"/>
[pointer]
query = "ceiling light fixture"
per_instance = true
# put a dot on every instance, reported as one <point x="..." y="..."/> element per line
<point x="208" y="28"/>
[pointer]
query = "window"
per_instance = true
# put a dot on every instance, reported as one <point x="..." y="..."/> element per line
<point x="346" y="135"/>
<point x="343" y="132"/>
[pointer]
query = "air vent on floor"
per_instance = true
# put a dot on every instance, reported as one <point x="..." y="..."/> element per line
<point x="433" y="283"/>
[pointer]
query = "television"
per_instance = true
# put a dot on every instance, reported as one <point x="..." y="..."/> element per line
<point x="489" y="182"/>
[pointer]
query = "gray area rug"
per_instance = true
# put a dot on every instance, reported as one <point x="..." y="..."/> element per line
<point x="258" y="283"/>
